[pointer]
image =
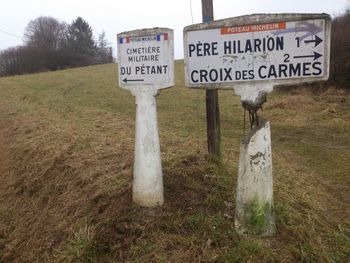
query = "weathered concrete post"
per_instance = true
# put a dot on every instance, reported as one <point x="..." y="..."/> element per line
<point x="148" y="177"/>
<point x="145" y="66"/>
<point x="254" y="191"/>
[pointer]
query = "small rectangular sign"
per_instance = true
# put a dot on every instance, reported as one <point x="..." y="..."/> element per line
<point x="146" y="58"/>
<point x="279" y="49"/>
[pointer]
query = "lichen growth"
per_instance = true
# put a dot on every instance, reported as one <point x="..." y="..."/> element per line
<point x="258" y="217"/>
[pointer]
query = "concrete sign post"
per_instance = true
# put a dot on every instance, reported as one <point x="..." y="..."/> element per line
<point x="252" y="54"/>
<point x="145" y="66"/>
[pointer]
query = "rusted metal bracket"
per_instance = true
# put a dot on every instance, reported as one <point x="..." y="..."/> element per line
<point x="253" y="106"/>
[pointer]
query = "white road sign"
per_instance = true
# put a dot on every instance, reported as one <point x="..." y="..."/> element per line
<point x="146" y="58"/>
<point x="276" y="49"/>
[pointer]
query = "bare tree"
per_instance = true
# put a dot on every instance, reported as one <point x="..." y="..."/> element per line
<point x="104" y="50"/>
<point x="45" y="32"/>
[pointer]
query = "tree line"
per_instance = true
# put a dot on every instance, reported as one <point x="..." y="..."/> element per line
<point x="340" y="51"/>
<point x="50" y="44"/>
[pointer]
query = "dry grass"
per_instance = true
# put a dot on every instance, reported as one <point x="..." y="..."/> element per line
<point x="66" y="156"/>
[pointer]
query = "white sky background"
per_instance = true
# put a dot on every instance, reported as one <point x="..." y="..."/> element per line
<point x="115" y="16"/>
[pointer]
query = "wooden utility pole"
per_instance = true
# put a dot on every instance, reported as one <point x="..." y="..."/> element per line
<point x="212" y="99"/>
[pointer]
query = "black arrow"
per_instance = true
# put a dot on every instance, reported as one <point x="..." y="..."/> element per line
<point x="128" y="80"/>
<point x="315" y="56"/>
<point x="317" y="41"/>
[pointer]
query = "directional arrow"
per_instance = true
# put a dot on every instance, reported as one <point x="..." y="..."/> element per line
<point x="315" y="56"/>
<point x="306" y="28"/>
<point x="317" y="41"/>
<point x="131" y="80"/>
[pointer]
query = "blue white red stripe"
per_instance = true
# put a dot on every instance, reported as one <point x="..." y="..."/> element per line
<point x="162" y="37"/>
<point x="123" y="40"/>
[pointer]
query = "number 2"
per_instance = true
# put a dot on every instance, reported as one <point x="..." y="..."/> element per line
<point x="286" y="57"/>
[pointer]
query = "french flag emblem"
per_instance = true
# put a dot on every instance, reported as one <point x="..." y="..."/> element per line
<point x="163" y="37"/>
<point x="124" y="40"/>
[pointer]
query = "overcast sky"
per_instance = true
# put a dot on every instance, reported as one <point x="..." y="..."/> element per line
<point x="115" y="16"/>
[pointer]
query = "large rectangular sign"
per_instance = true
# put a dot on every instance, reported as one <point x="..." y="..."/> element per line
<point x="146" y="58"/>
<point x="279" y="49"/>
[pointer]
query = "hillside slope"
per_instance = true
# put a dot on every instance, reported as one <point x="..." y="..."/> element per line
<point x="66" y="157"/>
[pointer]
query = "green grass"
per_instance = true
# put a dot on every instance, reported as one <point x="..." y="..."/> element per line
<point x="68" y="140"/>
<point x="80" y="248"/>
<point x="258" y="216"/>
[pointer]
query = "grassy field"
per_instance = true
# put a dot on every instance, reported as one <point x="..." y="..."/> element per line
<point x="66" y="157"/>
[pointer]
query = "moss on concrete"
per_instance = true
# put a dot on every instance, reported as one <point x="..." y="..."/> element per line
<point x="259" y="218"/>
